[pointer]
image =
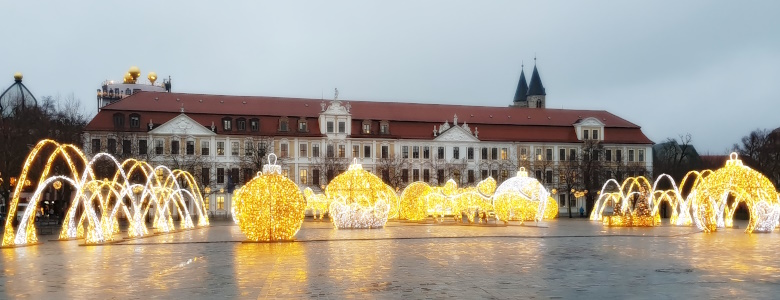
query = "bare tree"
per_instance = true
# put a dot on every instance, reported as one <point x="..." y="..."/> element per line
<point x="392" y="170"/>
<point x="674" y="157"/>
<point x="330" y="166"/>
<point x="761" y="150"/>
<point x="591" y="166"/>
<point x="569" y="177"/>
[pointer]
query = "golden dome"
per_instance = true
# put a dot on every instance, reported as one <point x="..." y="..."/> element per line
<point x="18" y="76"/>
<point x="134" y="72"/>
<point x="128" y="78"/>
<point x="152" y="77"/>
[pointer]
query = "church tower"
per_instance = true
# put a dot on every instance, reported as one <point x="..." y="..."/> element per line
<point x="536" y="94"/>
<point x="522" y="91"/>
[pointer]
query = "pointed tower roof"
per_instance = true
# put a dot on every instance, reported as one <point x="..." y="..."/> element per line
<point x="522" y="88"/>
<point x="536" y="87"/>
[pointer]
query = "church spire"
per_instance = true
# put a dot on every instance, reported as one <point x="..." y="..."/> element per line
<point x="522" y="87"/>
<point x="535" y="87"/>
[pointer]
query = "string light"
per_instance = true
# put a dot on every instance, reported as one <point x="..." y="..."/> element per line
<point x="270" y="207"/>
<point x="316" y="203"/>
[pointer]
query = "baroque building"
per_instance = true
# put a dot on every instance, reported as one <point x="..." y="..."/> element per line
<point x="224" y="140"/>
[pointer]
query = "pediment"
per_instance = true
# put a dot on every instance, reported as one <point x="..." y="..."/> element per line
<point x="590" y="121"/>
<point x="456" y="134"/>
<point x="182" y="125"/>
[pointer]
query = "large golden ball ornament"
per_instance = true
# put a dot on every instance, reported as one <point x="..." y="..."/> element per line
<point x="270" y="208"/>
<point x="18" y="76"/>
<point x="414" y="201"/>
<point x="487" y="187"/>
<point x="128" y="78"/>
<point x="134" y="72"/>
<point x="152" y="77"/>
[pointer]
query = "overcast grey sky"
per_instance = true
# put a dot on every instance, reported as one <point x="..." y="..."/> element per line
<point x="709" y="68"/>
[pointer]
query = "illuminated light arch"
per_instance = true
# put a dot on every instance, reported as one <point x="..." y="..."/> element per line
<point x="102" y="200"/>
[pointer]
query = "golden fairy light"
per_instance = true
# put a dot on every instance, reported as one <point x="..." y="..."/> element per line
<point x="360" y="199"/>
<point x="270" y="207"/>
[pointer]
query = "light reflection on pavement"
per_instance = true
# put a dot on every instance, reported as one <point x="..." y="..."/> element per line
<point x="567" y="259"/>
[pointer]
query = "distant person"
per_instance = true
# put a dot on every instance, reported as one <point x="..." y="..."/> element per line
<point x="582" y="212"/>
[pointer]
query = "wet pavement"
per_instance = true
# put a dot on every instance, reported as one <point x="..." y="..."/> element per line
<point x="561" y="259"/>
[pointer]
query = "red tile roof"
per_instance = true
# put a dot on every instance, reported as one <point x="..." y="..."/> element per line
<point x="407" y="120"/>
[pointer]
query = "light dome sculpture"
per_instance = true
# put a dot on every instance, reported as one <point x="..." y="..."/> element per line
<point x="271" y="207"/>
<point x="359" y="199"/>
<point x="711" y="207"/>
<point x="521" y="198"/>
<point x="16" y="97"/>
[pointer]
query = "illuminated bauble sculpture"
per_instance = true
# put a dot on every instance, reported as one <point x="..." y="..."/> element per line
<point x="520" y="198"/>
<point x="359" y="199"/>
<point x="413" y="201"/>
<point x="271" y="207"/>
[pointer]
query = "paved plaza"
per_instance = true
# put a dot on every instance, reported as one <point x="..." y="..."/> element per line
<point x="569" y="258"/>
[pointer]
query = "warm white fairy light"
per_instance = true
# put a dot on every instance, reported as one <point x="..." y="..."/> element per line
<point x="359" y="199"/>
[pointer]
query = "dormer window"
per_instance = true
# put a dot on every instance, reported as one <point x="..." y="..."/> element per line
<point x="342" y="127"/>
<point x="135" y="121"/>
<point x="227" y="124"/>
<point x="586" y="134"/>
<point x="241" y="124"/>
<point x="254" y="124"/>
<point x="595" y="134"/>
<point x="330" y="126"/>
<point x="119" y="120"/>
<point x="302" y="125"/>
<point x="283" y="124"/>
<point x="366" y="127"/>
<point x="384" y="127"/>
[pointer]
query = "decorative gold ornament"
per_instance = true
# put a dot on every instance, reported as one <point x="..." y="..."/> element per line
<point x="360" y="199"/>
<point x="152" y="77"/>
<point x="270" y="207"/>
<point x="57" y="185"/>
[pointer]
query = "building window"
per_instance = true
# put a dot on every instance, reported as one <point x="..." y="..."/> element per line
<point x="284" y="150"/>
<point x="456" y="152"/>
<point x="573" y="202"/>
<point x="631" y="155"/>
<point x="227" y="124"/>
<point x="608" y="154"/>
<point x="366" y="128"/>
<point x="427" y="175"/>
<point x="405" y="175"/>
<point x="135" y="121"/>
<point x="342" y="127"/>
<point x="330" y="151"/>
<point x="220" y="148"/>
<point x="595" y="134"/>
<point x="385" y="151"/>
<point x="440" y="153"/>
<point x="119" y="120"/>
<point x="484" y="153"/>
<point x="505" y="153"/>
<point x="283" y="124"/>
<point x="220" y="175"/>
<point x="494" y="153"/>
<point x="342" y="151"/>
<point x="111" y="146"/>
<point x="142" y="147"/>
<point x="538" y="154"/>
<point x="585" y="134"/>
<point x="315" y="150"/>
<point x="174" y="147"/>
<point x="356" y="151"/>
<point x="562" y="154"/>
<point x="330" y="126"/>
<point x="484" y="174"/>
<point x="440" y="176"/>
<point x="524" y="153"/>
<point x="641" y="154"/>
<point x="405" y="152"/>
<point x="416" y="175"/>
<point x="426" y="152"/>
<point x="416" y="152"/>
<point x="220" y="202"/>
<point x="549" y="152"/>
<point x="366" y="151"/>
<point x="303" y="176"/>
<point x="538" y="175"/>
<point x="205" y="176"/>
<point x="562" y="200"/>
<point x="619" y="155"/>
<point x="470" y="153"/>
<point x="241" y="124"/>
<point x="234" y="148"/>
<point x="158" y="146"/>
<point x="248" y="149"/>
<point x="470" y="176"/>
<point x="302" y="126"/>
<point x="548" y="176"/>
<point x="304" y="150"/>
<point x="190" y="148"/>
<point x="572" y="154"/>
<point x="204" y="147"/>
<point x="95" y="145"/>
<point x="315" y="177"/>
<point x="127" y="147"/>
<point x="384" y="127"/>
<point x="254" y="124"/>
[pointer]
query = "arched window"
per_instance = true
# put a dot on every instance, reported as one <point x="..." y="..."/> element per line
<point x="135" y="121"/>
